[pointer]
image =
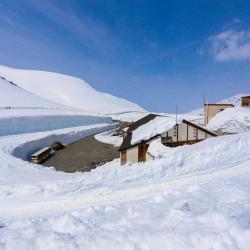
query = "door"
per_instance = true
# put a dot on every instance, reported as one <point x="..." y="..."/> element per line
<point x="142" y="151"/>
<point x="123" y="157"/>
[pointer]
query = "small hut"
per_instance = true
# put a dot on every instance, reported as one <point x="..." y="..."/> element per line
<point x="245" y="101"/>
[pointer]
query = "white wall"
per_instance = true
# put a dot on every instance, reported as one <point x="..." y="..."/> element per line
<point x="132" y="155"/>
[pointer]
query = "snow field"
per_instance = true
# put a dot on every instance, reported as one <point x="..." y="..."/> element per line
<point x="67" y="91"/>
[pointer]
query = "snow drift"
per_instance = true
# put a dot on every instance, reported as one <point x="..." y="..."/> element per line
<point x="67" y="90"/>
<point x="231" y="120"/>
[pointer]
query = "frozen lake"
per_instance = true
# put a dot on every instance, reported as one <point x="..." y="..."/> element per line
<point x="19" y="125"/>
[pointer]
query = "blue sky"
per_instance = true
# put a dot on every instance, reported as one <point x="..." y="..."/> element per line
<point x="155" y="53"/>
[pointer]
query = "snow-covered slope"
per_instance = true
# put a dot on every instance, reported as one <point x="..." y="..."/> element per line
<point x="67" y="90"/>
<point x="13" y="96"/>
<point x="231" y="120"/>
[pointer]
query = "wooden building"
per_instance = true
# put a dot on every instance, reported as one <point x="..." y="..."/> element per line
<point x="133" y="153"/>
<point x="185" y="132"/>
<point x="245" y="101"/>
<point x="211" y="110"/>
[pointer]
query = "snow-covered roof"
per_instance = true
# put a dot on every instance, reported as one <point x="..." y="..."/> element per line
<point x="157" y="126"/>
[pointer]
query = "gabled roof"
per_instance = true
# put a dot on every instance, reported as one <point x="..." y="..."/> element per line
<point x="219" y="104"/>
<point x="199" y="127"/>
<point x="126" y="144"/>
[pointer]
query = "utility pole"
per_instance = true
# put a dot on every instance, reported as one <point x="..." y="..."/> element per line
<point x="176" y="114"/>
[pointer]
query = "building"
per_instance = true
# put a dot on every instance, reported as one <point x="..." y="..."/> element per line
<point x="174" y="135"/>
<point x="211" y="110"/>
<point x="185" y="132"/>
<point x="245" y="101"/>
<point x="133" y="153"/>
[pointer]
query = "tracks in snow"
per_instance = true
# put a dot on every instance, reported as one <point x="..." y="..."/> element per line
<point x="102" y="196"/>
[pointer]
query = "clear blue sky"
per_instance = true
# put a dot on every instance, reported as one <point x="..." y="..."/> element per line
<point x="155" y="53"/>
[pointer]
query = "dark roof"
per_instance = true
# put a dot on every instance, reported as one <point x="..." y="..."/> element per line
<point x="245" y="97"/>
<point x="126" y="144"/>
<point x="219" y="104"/>
<point x="199" y="127"/>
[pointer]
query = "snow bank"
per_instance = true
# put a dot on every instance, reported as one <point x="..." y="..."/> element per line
<point x="231" y="120"/>
<point x="67" y="90"/>
<point x="158" y="150"/>
<point x="129" y="116"/>
<point x="109" y="138"/>
<point x="154" y="127"/>
<point x="197" y="198"/>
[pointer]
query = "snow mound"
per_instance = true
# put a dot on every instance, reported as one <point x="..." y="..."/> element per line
<point x="231" y="120"/>
<point x="13" y="96"/>
<point x="109" y="137"/>
<point x="158" y="150"/>
<point x="67" y="90"/>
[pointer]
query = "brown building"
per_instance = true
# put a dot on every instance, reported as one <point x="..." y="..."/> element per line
<point x="245" y="101"/>
<point x="185" y="132"/>
<point x="133" y="153"/>
<point x="211" y="110"/>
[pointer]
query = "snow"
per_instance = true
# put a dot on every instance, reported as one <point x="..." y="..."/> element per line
<point x="158" y="150"/>
<point x="231" y="120"/>
<point x="196" y="198"/>
<point x="157" y="126"/>
<point x="14" y="96"/>
<point x="67" y="90"/>
<point x="235" y="100"/>
<point x="109" y="137"/>
<point x="190" y="197"/>
<point x="129" y="116"/>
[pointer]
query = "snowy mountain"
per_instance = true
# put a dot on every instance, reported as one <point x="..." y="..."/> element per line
<point x="67" y="90"/>
<point x="235" y="100"/>
<point x="12" y="95"/>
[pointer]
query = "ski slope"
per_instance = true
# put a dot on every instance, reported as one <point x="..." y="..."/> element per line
<point x="67" y="91"/>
